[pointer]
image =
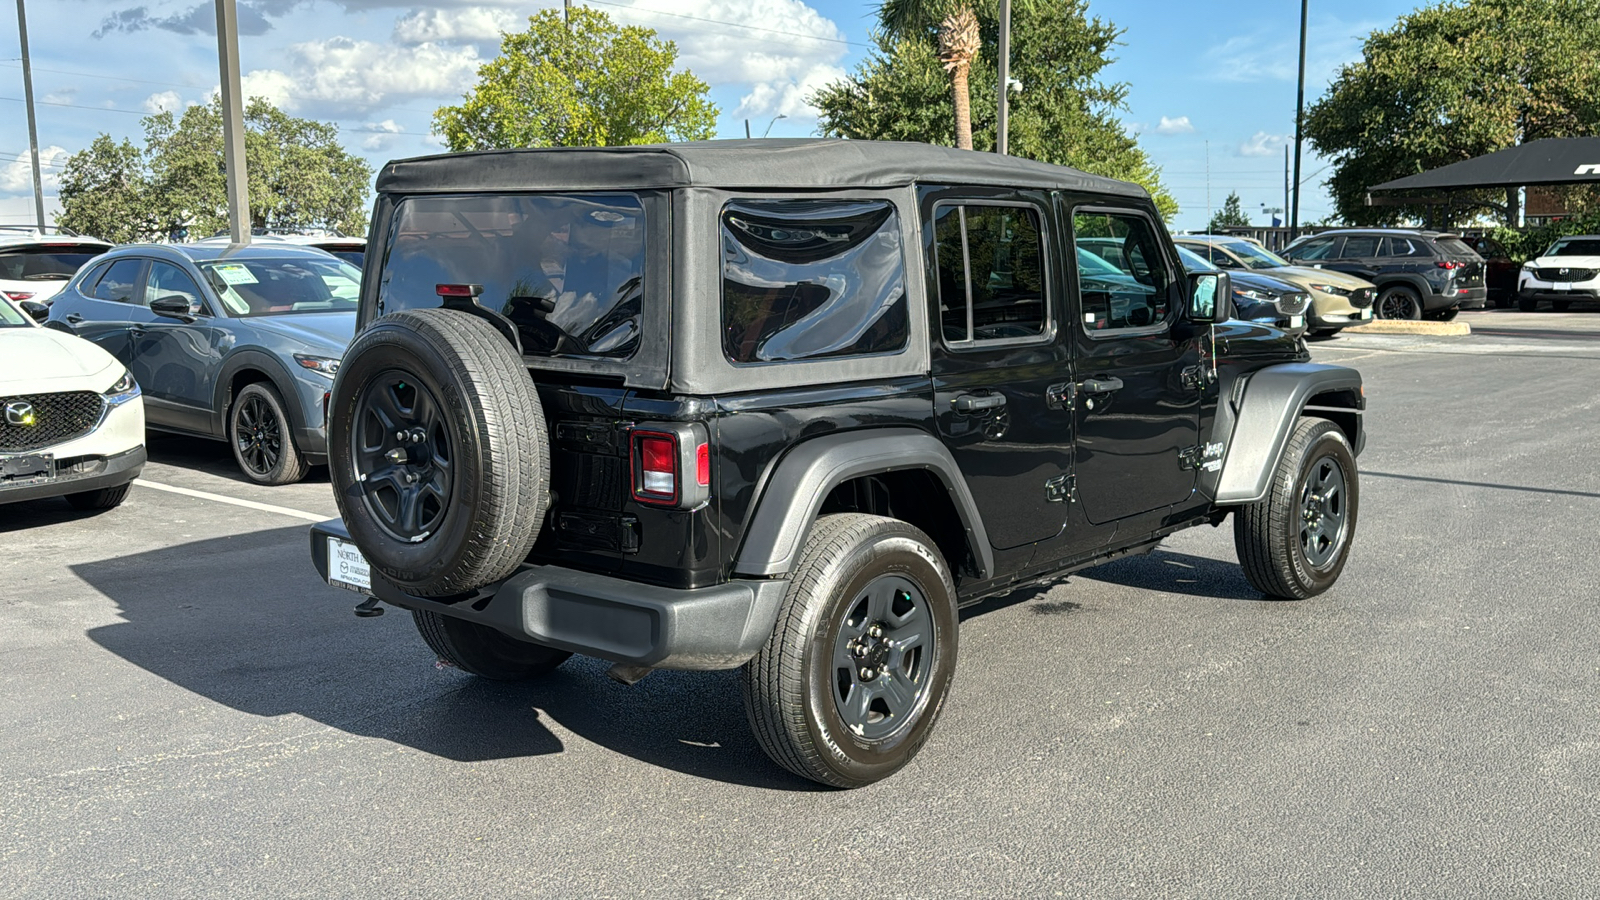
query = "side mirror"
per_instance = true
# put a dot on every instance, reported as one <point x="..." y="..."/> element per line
<point x="1210" y="297"/>
<point x="36" y="311"/>
<point x="173" y="306"/>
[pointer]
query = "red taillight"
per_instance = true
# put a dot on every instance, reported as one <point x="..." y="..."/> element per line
<point x="656" y="477"/>
<point x="702" y="465"/>
<point x="18" y="296"/>
<point x="1450" y="264"/>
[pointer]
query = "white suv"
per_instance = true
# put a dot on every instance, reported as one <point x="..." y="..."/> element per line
<point x="36" y="264"/>
<point x="71" y="417"/>
<point x="1568" y="271"/>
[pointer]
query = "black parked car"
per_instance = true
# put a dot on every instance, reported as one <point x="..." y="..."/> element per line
<point x="1258" y="297"/>
<point x="1418" y="273"/>
<point x="785" y="405"/>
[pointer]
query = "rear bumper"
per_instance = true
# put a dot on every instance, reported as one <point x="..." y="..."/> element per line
<point x="1462" y="298"/>
<point x="85" y="473"/>
<point x="717" y="627"/>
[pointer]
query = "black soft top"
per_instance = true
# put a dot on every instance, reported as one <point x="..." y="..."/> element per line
<point x="773" y="163"/>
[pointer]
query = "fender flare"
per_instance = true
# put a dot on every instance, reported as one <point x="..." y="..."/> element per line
<point x="265" y="363"/>
<point x="1273" y="400"/>
<point x="794" y="494"/>
<point x="1415" y="282"/>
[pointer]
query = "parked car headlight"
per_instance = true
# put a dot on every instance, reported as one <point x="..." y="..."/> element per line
<point x="1331" y="289"/>
<point x="124" y="390"/>
<point x="1257" y="296"/>
<point x="322" y="365"/>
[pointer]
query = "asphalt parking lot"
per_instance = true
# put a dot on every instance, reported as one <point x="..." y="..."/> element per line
<point x="189" y="712"/>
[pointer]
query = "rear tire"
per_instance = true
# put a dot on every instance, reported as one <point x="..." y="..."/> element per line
<point x="1398" y="303"/>
<point x="262" y="437"/>
<point x="105" y="498"/>
<point x="856" y="671"/>
<point x="1294" y="543"/>
<point x="437" y="451"/>
<point x="482" y="651"/>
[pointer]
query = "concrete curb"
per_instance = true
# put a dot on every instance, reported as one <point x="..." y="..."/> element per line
<point x="1406" y="326"/>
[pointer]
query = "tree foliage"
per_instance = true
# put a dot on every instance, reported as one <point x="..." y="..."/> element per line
<point x="1064" y="114"/>
<point x="583" y="83"/>
<point x="1452" y="81"/>
<point x="299" y="177"/>
<point x="1231" y="214"/>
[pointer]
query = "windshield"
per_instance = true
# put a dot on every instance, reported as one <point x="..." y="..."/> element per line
<point x="11" y="317"/>
<point x="1194" y="262"/>
<point x="1095" y="265"/>
<point x="281" y="287"/>
<point x="1575" y="247"/>
<point x="1254" y="257"/>
<point x="43" y="264"/>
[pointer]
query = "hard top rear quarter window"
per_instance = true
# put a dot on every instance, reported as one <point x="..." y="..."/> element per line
<point x="991" y="272"/>
<point x="1137" y="294"/>
<point x="566" y="269"/>
<point x="812" y="279"/>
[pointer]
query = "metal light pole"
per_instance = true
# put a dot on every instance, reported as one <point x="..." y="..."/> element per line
<point x="33" y="127"/>
<point x="1299" y="121"/>
<point x="1005" y="77"/>
<point x="772" y="123"/>
<point x="233" y="122"/>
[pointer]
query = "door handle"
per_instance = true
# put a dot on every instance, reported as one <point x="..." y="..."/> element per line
<point x="1101" y="385"/>
<point x="73" y="318"/>
<point x="978" y="402"/>
<point x="136" y="331"/>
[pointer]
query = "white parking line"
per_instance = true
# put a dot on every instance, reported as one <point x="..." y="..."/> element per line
<point x="247" y="504"/>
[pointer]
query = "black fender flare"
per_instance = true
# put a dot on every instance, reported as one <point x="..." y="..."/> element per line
<point x="268" y="365"/>
<point x="1273" y="400"/>
<point x="1416" y="283"/>
<point x="794" y="494"/>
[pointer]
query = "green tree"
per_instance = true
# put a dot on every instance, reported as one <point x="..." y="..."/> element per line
<point x="583" y="83"/>
<point x="1232" y="213"/>
<point x="1064" y="114"/>
<point x="1452" y="81"/>
<point x="299" y="177"/>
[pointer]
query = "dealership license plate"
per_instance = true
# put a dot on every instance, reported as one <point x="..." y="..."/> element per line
<point x="347" y="568"/>
<point x="1296" y="321"/>
<point x="1561" y="288"/>
<point x="33" y="467"/>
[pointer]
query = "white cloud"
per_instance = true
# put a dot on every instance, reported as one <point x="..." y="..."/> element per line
<point x="16" y="175"/>
<point x="1264" y="144"/>
<point x="382" y="134"/>
<point x="1180" y="125"/>
<point x="346" y="76"/>
<point x="471" y="24"/>
<point x="165" y="100"/>
<point x="1272" y="56"/>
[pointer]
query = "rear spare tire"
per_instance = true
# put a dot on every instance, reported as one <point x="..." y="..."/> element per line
<point x="437" y="451"/>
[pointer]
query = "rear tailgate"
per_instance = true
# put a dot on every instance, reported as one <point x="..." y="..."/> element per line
<point x="1470" y="267"/>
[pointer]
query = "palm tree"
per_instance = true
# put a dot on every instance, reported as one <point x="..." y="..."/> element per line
<point x="959" y="41"/>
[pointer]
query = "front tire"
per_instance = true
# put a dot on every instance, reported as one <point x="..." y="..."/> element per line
<point x="105" y="498"/>
<point x="1399" y="303"/>
<point x="849" y="685"/>
<point x="262" y="438"/>
<point x="1294" y="543"/>
<point x="482" y="651"/>
<point x="1560" y="305"/>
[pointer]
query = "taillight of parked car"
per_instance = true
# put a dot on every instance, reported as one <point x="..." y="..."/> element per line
<point x="18" y="296"/>
<point x="1450" y="264"/>
<point x="671" y="464"/>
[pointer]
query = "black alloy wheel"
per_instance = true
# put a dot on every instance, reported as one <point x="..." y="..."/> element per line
<point x="259" y="433"/>
<point x="400" y="445"/>
<point x="1322" y="512"/>
<point x="1399" y="303"/>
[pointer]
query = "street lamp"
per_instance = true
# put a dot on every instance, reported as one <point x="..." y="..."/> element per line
<point x="772" y="123"/>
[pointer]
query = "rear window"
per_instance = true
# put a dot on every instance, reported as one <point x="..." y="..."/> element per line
<point x="1456" y="248"/>
<point x="812" y="279"/>
<point x="41" y="264"/>
<point x="566" y="269"/>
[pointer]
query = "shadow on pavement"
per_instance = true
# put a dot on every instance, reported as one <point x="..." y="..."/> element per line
<point x="1177" y="573"/>
<point x="208" y="456"/>
<point x="244" y="622"/>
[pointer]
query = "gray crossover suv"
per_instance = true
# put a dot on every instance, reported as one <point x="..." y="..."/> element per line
<point x="239" y="345"/>
<point x="1419" y="274"/>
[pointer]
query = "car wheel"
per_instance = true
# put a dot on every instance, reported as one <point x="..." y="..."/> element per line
<point x="105" y="498"/>
<point x="262" y="438"/>
<point x="1560" y="305"/>
<point x="1527" y="304"/>
<point x="483" y="651"/>
<point x="1399" y="303"/>
<point x="854" y="675"/>
<point x="1293" y="544"/>
<point x="437" y="451"/>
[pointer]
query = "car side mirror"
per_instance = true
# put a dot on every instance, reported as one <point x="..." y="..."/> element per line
<point x="1210" y="297"/>
<point x="36" y="311"/>
<point x="173" y="306"/>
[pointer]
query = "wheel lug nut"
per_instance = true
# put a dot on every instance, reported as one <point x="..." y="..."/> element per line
<point x="857" y="651"/>
<point x="866" y="674"/>
<point x="875" y="631"/>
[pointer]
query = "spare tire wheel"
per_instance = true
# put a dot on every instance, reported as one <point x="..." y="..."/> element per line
<point x="437" y="451"/>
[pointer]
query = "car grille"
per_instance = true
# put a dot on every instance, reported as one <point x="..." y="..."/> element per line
<point x="1293" y="304"/>
<point x="55" y="419"/>
<point x="1565" y="275"/>
<point x="1363" y="298"/>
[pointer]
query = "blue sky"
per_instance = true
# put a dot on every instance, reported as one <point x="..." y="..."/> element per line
<point x="1211" y="83"/>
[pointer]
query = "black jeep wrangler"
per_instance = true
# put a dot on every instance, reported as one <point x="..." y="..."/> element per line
<point x="786" y="405"/>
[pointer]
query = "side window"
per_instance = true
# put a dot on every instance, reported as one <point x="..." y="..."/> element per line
<point x="168" y="280"/>
<point x="1317" y="249"/>
<point x="1220" y="258"/>
<point x="1133" y="290"/>
<point x="991" y="272"/>
<point x="812" y="279"/>
<point x="91" y="278"/>
<point x="119" y="281"/>
<point x="1360" y="247"/>
<point x="1403" y="247"/>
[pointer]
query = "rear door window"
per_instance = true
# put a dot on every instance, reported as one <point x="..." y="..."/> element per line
<point x="566" y="269"/>
<point x="1360" y="247"/>
<point x="812" y="279"/>
<point x="120" y="282"/>
<point x="991" y="273"/>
